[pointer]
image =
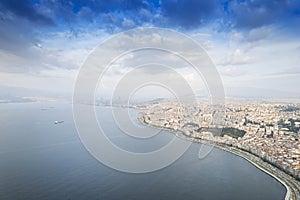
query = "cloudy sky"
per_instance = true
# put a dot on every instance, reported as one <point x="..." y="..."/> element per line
<point x="254" y="44"/>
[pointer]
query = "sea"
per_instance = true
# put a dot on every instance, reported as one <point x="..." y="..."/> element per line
<point x="43" y="160"/>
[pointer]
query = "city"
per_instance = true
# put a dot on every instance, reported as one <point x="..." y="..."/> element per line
<point x="150" y="99"/>
<point x="269" y="130"/>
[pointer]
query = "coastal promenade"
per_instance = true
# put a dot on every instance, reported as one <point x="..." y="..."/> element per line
<point x="291" y="184"/>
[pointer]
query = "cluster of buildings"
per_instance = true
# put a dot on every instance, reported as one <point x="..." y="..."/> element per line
<point x="271" y="131"/>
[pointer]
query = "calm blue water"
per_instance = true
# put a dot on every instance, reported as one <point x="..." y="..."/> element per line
<point x="41" y="160"/>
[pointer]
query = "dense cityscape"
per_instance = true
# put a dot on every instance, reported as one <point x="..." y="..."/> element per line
<point x="269" y="131"/>
<point x="88" y="92"/>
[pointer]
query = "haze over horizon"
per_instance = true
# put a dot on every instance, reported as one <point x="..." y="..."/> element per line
<point x="150" y="99"/>
<point x="255" y="45"/>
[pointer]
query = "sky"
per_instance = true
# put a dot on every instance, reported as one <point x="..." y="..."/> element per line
<point x="254" y="44"/>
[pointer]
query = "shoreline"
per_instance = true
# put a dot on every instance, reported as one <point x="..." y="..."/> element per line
<point x="288" y="195"/>
<point x="291" y="186"/>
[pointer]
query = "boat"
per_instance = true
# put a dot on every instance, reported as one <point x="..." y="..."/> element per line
<point x="59" y="122"/>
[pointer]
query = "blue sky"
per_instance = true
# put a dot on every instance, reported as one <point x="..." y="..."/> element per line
<point x="254" y="44"/>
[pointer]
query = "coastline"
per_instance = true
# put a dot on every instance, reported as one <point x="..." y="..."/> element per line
<point x="288" y="195"/>
<point x="292" y="186"/>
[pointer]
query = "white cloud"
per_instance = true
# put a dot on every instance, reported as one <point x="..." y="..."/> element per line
<point x="243" y="59"/>
<point x="260" y="33"/>
<point x="237" y="57"/>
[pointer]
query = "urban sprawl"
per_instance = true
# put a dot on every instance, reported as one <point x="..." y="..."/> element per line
<point x="269" y="131"/>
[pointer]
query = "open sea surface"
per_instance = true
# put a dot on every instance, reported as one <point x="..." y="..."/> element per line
<point x="43" y="160"/>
